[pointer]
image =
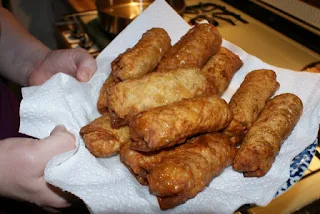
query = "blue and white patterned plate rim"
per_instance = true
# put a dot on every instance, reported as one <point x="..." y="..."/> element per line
<point x="298" y="167"/>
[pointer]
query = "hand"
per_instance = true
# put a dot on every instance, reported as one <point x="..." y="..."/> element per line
<point x="22" y="164"/>
<point x="75" y="62"/>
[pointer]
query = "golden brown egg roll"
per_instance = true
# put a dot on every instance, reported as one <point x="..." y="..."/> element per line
<point x="189" y="168"/>
<point x="264" y="139"/>
<point x="249" y="100"/>
<point x="143" y="57"/>
<point x="220" y="69"/>
<point x="171" y="124"/>
<point x="193" y="49"/>
<point x="101" y="140"/>
<point x="128" y="98"/>
<point x="102" y="103"/>
<point x="139" y="163"/>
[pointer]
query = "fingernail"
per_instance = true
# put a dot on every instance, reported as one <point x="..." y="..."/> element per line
<point x="85" y="76"/>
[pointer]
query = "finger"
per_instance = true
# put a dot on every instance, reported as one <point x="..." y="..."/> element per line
<point x="58" y="142"/>
<point x="58" y="129"/>
<point x="86" y="65"/>
<point x="51" y="196"/>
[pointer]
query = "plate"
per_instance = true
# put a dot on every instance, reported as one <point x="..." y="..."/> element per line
<point x="298" y="166"/>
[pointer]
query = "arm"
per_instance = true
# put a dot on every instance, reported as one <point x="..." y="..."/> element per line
<point x="20" y="52"/>
<point x="26" y="61"/>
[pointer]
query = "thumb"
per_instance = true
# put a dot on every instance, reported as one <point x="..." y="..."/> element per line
<point x="60" y="136"/>
<point x="86" y="65"/>
<point x="59" y="141"/>
<point x="58" y="129"/>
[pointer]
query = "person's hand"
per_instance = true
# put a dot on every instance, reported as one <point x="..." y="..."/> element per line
<point x="75" y="62"/>
<point x="22" y="164"/>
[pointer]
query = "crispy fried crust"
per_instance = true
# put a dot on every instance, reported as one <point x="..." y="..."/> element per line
<point x="128" y="98"/>
<point x="189" y="168"/>
<point x="143" y="57"/>
<point x="102" y="104"/>
<point x="169" y="125"/>
<point x="140" y="163"/>
<point x="193" y="49"/>
<point x="220" y="69"/>
<point x="101" y="140"/>
<point x="249" y="100"/>
<point x="263" y="141"/>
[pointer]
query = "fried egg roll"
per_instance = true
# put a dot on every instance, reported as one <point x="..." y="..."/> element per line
<point x="193" y="49"/>
<point x="102" y="103"/>
<point x="139" y="163"/>
<point x="263" y="141"/>
<point x="143" y="57"/>
<point x="189" y="168"/>
<point x="129" y="98"/>
<point x="249" y="100"/>
<point x="101" y="140"/>
<point x="171" y="124"/>
<point x="220" y="69"/>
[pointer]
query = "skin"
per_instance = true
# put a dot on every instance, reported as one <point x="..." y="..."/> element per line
<point x="26" y="61"/>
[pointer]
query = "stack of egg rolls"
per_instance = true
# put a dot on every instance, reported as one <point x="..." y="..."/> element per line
<point x="180" y="173"/>
<point x="100" y="138"/>
<point x="162" y="112"/>
<point x="264" y="139"/>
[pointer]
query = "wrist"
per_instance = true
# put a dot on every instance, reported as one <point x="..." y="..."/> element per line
<point x="23" y="52"/>
<point x="15" y="156"/>
<point x="40" y="54"/>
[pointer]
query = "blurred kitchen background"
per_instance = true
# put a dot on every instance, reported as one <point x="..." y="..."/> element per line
<point x="284" y="33"/>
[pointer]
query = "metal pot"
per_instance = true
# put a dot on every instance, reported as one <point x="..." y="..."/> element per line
<point x="115" y="15"/>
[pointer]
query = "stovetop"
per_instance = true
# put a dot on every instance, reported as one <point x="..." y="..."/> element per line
<point x="253" y="36"/>
<point x="216" y="14"/>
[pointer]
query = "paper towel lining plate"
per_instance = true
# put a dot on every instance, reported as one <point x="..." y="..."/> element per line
<point x="298" y="167"/>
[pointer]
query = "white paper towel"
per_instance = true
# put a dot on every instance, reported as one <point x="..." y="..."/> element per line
<point x="105" y="185"/>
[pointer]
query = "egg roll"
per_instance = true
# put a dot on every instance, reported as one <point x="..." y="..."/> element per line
<point x="129" y="98"/>
<point x="263" y="141"/>
<point x="189" y="168"/>
<point x="140" y="163"/>
<point x="143" y="57"/>
<point x="220" y="69"/>
<point x="101" y="140"/>
<point x="168" y="125"/>
<point x="249" y="100"/>
<point x="193" y="49"/>
<point x="102" y="104"/>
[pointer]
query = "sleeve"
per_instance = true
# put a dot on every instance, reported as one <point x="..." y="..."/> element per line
<point x="249" y="100"/>
<point x="129" y="98"/>
<point x="189" y="168"/>
<point x="220" y="69"/>
<point x="143" y="57"/>
<point x="171" y="124"/>
<point x="101" y="140"/>
<point x="193" y="49"/>
<point x="263" y="141"/>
